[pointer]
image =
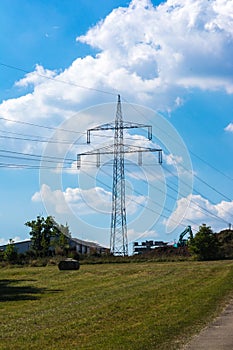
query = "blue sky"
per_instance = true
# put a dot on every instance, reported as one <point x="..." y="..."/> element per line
<point x="63" y="64"/>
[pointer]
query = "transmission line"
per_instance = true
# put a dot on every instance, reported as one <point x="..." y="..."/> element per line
<point x="197" y="192"/>
<point x="38" y="139"/>
<point x="58" y="80"/>
<point x="118" y="234"/>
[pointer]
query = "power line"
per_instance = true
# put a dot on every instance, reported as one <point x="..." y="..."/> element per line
<point x="97" y="90"/>
<point x="39" y="140"/>
<point x="53" y="159"/>
<point x="211" y="166"/>
<point x="197" y="192"/>
<point x="34" y="157"/>
<point x="170" y="136"/>
<point x="40" y="126"/>
<point x="208" y="185"/>
<point x="118" y="235"/>
<point x="58" y="80"/>
<point x="63" y="141"/>
<point x="82" y="133"/>
<point x="138" y="203"/>
<point x="201" y="208"/>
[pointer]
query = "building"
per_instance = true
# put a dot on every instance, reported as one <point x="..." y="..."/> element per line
<point x="86" y="247"/>
<point x="21" y="247"/>
<point x="147" y="246"/>
<point x="80" y="246"/>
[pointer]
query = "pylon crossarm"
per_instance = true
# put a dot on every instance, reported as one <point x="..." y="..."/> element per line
<point x="107" y="126"/>
<point x="102" y="150"/>
<point x="132" y="149"/>
<point x="128" y="125"/>
<point x="126" y="149"/>
<point x="118" y="238"/>
<point x="123" y="125"/>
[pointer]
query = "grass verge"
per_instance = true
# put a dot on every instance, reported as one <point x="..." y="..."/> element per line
<point x="110" y="306"/>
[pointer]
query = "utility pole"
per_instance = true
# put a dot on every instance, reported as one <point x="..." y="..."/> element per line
<point x="118" y="230"/>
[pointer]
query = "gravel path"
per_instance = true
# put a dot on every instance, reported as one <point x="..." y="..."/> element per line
<point x="218" y="335"/>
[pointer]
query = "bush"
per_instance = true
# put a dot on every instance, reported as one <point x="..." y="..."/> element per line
<point x="205" y="245"/>
<point x="10" y="254"/>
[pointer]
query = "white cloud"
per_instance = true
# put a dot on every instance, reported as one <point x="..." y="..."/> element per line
<point x="84" y="201"/>
<point x="39" y="76"/>
<point x="201" y="210"/>
<point x="229" y="127"/>
<point x="172" y="159"/>
<point x="177" y="46"/>
<point x="55" y="198"/>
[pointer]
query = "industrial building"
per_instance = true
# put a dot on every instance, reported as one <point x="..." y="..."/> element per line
<point x="80" y="246"/>
<point x="146" y="246"/>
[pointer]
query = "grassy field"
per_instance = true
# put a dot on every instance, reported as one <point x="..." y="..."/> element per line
<point x="110" y="306"/>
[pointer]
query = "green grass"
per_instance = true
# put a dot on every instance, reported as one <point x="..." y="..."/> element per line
<point x="110" y="306"/>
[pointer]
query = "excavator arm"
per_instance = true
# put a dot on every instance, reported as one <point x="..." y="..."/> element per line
<point x="182" y="241"/>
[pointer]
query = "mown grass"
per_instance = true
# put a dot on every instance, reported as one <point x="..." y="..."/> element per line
<point x="136" y="306"/>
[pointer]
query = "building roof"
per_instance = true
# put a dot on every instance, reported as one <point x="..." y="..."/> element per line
<point x="86" y="243"/>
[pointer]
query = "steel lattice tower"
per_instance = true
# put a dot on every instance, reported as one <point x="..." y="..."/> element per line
<point x="118" y="234"/>
<point x="118" y="239"/>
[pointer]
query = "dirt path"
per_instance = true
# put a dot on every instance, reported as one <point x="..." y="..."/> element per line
<point x="218" y="335"/>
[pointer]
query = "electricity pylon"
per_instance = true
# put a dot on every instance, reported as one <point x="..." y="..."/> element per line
<point x="118" y="234"/>
<point x="118" y="238"/>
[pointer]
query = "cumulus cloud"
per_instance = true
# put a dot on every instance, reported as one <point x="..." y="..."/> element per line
<point x="84" y="201"/>
<point x="72" y="198"/>
<point x="39" y="76"/>
<point x="229" y="127"/>
<point x="177" y="44"/>
<point x="150" y="54"/>
<point x="201" y="210"/>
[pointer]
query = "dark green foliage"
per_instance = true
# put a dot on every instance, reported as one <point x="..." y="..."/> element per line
<point x="205" y="245"/>
<point x="225" y="239"/>
<point x="61" y="240"/>
<point x="47" y="235"/>
<point x="10" y="254"/>
<point x="36" y="234"/>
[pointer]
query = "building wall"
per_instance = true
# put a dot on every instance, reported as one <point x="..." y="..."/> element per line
<point x="21" y="247"/>
<point x="80" y="246"/>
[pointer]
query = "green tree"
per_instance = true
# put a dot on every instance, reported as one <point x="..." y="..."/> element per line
<point x="61" y="239"/>
<point x="47" y="234"/>
<point x="10" y="253"/>
<point x="204" y="245"/>
<point x="64" y="230"/>
<point x="42" y="232"/>
<point x="225" y="238"/>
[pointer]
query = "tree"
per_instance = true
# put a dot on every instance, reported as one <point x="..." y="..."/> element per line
<point x="225" y="238"/>
<point x="204" y="244"/>
<point x="45" y="234"/>
<point x="64" y="230"/>
<point x="10" y="253"/>
<point x="61" y="240"/>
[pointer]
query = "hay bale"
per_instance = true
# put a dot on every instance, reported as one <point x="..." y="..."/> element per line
<point x="69" y="264"/>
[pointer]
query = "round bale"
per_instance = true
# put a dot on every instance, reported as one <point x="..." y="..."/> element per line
<point x="69" y="264"/>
